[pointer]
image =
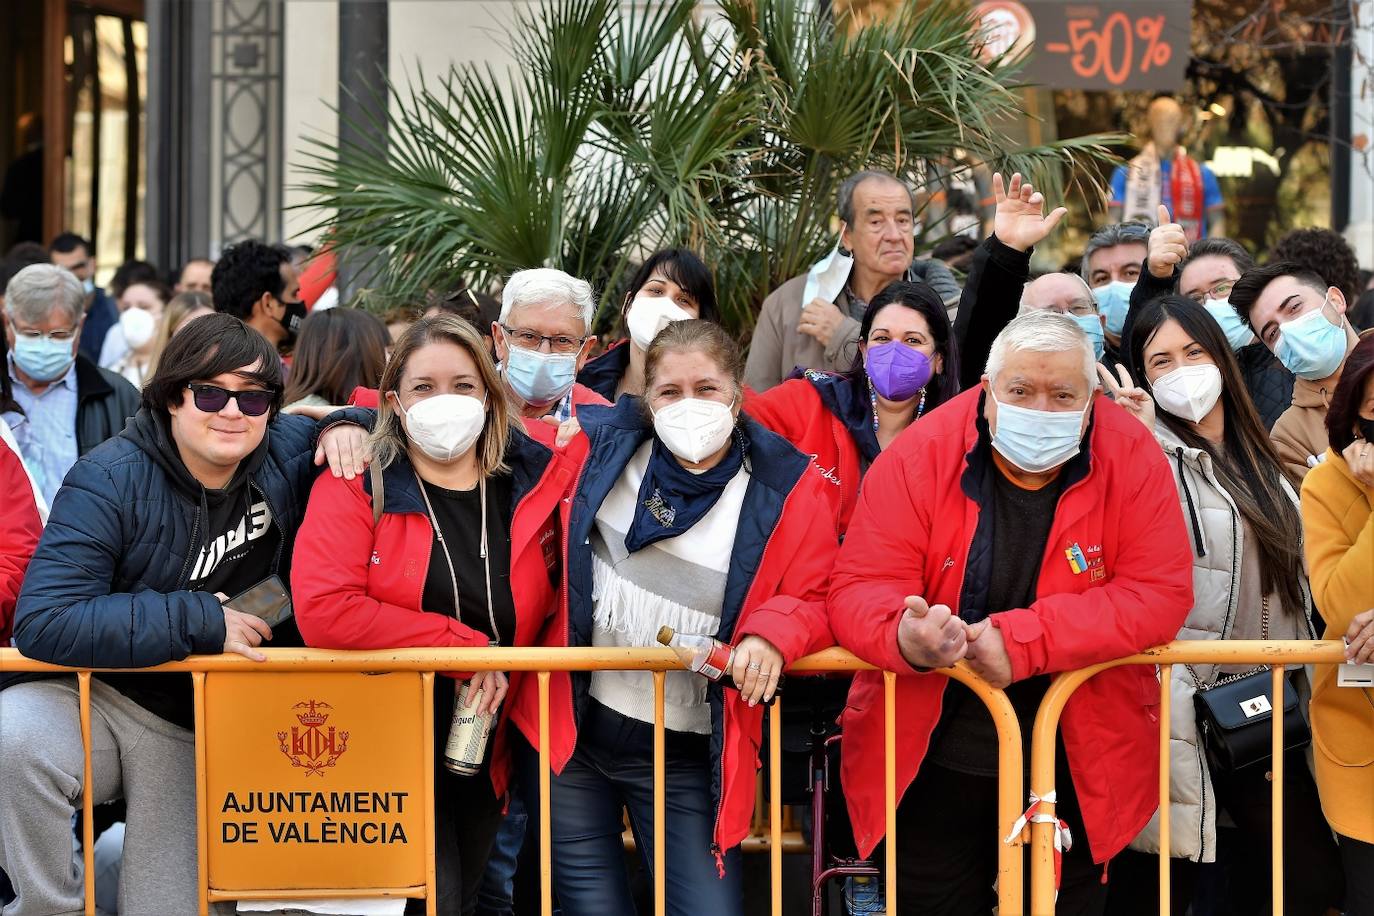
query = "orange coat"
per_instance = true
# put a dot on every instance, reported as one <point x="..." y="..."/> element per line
<point x="1339" y="535"/>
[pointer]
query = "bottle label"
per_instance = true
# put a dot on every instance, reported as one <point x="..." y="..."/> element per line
<point x="468" y="733"/>
<point x="718" y="662"/>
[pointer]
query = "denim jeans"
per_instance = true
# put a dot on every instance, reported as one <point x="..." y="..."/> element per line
<point x="610" y="770"/>
<point x="496" y="895"/>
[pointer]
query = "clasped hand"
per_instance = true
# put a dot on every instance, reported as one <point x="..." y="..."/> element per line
<point x="934" y="637"/>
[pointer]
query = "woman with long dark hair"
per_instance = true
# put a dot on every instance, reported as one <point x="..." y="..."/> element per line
<point x="671" y="285"/>
<point x="1248" y="583"/>
<point x="337" y="350"/>
<point x="907" y="365"/>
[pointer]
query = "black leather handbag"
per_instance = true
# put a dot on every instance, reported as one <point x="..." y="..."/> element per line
<point x="1235" y="715"/>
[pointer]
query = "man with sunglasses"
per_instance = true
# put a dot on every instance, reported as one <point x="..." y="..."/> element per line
<point x="199" y="498"/>
<point x="70" y="405"/>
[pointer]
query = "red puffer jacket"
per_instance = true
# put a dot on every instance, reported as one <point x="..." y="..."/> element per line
<point x="784" y="548"/>
<point x="356" y="587"/>
<point x="915" y="532"/>
<point x="20" y="529"/>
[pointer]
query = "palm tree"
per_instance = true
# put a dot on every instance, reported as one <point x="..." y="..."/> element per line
<point x="619" y="130"/>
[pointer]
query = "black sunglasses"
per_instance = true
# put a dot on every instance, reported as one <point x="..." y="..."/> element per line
<point x="211" y="398"/>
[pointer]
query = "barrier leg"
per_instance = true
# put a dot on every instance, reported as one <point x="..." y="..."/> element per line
<point x="83" y="684"/>
<point x="1277" y="750"/>
<point x="775" y="801"/>
<point x="545" y="833"/>
<point x="890" y="782"/>
<point x="660" y="879"/>
<point x="427" y="700"/>
<point x="202" y="798"/>
<point x="1165" y="713"/>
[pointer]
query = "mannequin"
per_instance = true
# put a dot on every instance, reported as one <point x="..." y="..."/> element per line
<point x="1165" y="173"/>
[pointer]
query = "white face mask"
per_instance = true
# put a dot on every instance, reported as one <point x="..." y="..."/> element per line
<point x="694" y="428"/>
<point x="445" y="426"/>
<point x="650" y="314"/>
<point x="1188" y="392"/>
<point x="138" y="326"/>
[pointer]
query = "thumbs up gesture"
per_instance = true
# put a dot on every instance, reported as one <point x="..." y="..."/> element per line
<point x="1168" y="246"/>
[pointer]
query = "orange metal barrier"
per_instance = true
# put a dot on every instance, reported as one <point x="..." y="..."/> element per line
<point x="543" y="661"/>
<point x="1275" y="653"/>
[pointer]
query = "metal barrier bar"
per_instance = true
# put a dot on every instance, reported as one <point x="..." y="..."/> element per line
<point x="431" y="868"/>
<point x="775" y="802"/>
<point x="83" y="686"/>
<point x="202" y="799"/>
<point x="890" y="782"/>
<point x="1166" y="697"/>
<point x="660" y="829"/>
<point x="1278" y="654"/>
<point x="1276" y="749"/>
<point x="545" y="833"/>
<point x="542" y="662"/>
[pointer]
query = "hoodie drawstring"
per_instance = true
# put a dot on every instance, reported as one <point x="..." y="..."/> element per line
<point x="1192" y="510"/>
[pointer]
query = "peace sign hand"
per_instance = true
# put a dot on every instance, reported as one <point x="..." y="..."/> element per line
<point x="1020" y="222"/>
<point x="1134" y="400"/>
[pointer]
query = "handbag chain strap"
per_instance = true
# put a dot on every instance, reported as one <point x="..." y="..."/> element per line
<point x="1232" y="678"/>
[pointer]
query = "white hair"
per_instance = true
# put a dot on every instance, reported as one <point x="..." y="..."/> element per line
<point x="546" y="286"/>
<point x="1087" y="290"/>
<point x="34" y="292"/>
<point x="1042" y="331"/>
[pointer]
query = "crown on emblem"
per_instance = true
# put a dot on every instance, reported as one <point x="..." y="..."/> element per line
<point x="312" y="717"/>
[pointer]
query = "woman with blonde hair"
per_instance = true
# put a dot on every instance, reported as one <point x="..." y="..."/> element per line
<point x="458" y="491"/>
<point x="182" y="308"/>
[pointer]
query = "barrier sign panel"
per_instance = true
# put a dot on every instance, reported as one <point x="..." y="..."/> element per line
<point x="315" y="780"/>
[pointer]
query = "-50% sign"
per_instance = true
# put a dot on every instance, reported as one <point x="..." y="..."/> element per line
<point x="1116" y="47"/>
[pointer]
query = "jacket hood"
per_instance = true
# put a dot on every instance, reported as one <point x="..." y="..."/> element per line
<point x="152" y="433"/>
<point x="849" y="404"/>
<point x="603" y="373"/>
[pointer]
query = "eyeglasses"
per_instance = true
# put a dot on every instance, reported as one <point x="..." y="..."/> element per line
<point x="530" y="340"/>
<point x="66" y="335"/>
<point x="1220" y="291"/>
<point x="253" y="402"/>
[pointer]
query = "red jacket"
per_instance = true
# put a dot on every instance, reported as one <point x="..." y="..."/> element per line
<point x="20" y="529"/>
<point x="356" y="587"/>
<point x="795" y="411"/>
<point x="783" y="552"/>
<point x="915" y="532"/>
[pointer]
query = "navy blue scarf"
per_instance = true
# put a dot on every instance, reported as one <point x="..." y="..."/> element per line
<point x="847" y="399"/>
<point x="672" y="499"/>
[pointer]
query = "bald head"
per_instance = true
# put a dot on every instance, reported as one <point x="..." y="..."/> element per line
<point x="1166" y="121"/>
<point x="1059" y="292"/>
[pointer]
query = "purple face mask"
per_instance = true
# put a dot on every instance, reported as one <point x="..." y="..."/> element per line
<point x="897" y="371"/>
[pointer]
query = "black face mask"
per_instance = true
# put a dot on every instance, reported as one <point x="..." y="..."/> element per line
<point x="291" y="320"/>
<point x="1366" y="428"/>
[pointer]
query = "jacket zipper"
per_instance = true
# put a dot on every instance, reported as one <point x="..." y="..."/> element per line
<point x="716" y="849"/>
<point x="193" y="551"/>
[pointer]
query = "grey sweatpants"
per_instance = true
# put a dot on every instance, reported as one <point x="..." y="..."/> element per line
<point x="134" y="754"/>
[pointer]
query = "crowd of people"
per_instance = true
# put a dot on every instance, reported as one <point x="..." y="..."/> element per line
<point x="1030" y="475"/>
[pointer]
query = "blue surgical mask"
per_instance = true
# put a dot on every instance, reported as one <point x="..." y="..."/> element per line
<point x="1092" y="326"/>
<point x="1037" y="440"/>
<point x="537" y="377"/>
<point x="1238" y="333"/>
<point x="1114" y="301"/>
<point x="88" y="286"/>
<point x="1310" y="346"/>
<point x="42" y="358"/>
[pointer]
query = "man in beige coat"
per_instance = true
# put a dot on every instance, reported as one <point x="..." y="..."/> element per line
<point x="877" y="213"/>
<point x="1302" y="320"/>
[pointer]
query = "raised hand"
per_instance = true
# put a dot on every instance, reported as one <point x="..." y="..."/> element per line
<point x="1020" y="222"/>
<point x="930" y="637"/>
<point x="1168" y="246"/>
<point x="1133" y="399"/>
